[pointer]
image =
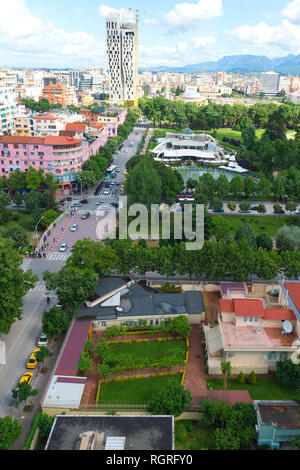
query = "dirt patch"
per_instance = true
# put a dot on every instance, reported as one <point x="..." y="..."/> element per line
<point x="212" y="306"/>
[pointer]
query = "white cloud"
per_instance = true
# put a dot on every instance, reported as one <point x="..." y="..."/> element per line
<point x="285" y="36"/>
<point x="185" y="15"/>
<point x="25" y="35"/>
<point x="149" y="21"/>
<point x="203" y="42"/>
<point x="292" y="11"/>
<point x="105" y="10"/>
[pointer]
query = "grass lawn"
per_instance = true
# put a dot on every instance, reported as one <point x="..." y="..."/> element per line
<point x="153" y="349"/>
<point x="134" y="391"/>
<point x="23" y="218"/>
<point x="266" y="388"/>
<point x="261" y="224"/>
<point x="231" y="134"/>
<point x="190" y="436"/>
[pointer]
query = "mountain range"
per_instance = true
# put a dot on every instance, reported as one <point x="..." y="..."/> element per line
<point x="246" y="63"/>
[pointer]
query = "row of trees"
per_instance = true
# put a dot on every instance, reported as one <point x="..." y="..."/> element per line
<point x="213" y="116"/>
<point x="41" y="106"/>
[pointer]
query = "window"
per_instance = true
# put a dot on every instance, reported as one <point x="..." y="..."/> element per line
<point x="151" y="322"/>
<point x="272" y="356"/>
<point x="283" y="356"/>
<point x="103" y="323"/>
<point x="245" y="319"/>
<point x="156" y="322"/>
<point x="256" y="319"/>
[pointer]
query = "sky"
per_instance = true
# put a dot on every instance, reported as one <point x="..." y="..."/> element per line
<point x="71" y="33"/>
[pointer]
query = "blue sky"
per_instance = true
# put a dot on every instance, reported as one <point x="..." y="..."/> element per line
<point x="71" y="33"/>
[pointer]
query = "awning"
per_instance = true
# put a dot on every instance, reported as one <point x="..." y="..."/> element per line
<point x="214" y="339"/>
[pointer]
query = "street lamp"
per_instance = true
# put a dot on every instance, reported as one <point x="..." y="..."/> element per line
<point x="35" y="230"/>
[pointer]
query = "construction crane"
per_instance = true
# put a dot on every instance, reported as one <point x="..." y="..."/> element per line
<point x="137" y="19"/>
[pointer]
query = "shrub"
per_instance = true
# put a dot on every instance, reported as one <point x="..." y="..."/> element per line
<point x="251" y="378"/>
<point x="241" y="378"/>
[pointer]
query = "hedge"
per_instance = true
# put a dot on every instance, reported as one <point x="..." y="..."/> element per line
<point x="33" y="428"/>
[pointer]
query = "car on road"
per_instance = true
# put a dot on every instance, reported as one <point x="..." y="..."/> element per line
<point x="84" y="201"/>
<point x="118" y="183"/>
<point x="99" y="203"/>
<point x="126" y="150"/>
<point x="106" y="192"/>
<point x="244" y="212"/>
<point x="131" y="144"/>
<point x="115" y="191"/>
<point x="85" y="215"/>
<point x="218" y="211"/>
<point x="32" y="361"/>
<point x="27" y="377"/>
<point x="76" y="204"/>
<point x="43" y="341"/>
<point x="118" y="170"/>
<point x="112" y="183"/>
<point x="63" y="247"/>
<point x="254" y="208"/>
<point x="280" y="211"/>
<point x="74" y="228"/>
<point x="297" y="212"/>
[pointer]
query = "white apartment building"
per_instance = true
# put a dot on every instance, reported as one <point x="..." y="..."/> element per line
<point x="284" y="84"/>
<point x="8" y="108"/>
<point x="269" y="82"/>
<point x="122" y="56"/>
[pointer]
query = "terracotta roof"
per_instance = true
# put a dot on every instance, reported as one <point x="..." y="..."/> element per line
<point x="229" y="396"/>
<point x="99" y="125"/>
<point x="78" y="126"/>
<point x="279" y="314"/>
<point x="226" y="305"/>
<point x="49" y="140"/>
<point x="71" y="354"/>
<point x="248" y="307"/>
<point x="294" y="291"/>
<point x="45" y="117"/>
<point x="67" y="133"/>
<point x="71" y="380"/>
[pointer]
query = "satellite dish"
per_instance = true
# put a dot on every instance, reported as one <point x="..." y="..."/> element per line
<point x="287" y="326"/>
<point x="119" y="309"/>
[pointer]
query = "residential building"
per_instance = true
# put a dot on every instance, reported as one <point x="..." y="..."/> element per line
<point x="278" y="423"/>
<point x="61" y="156"/>
<point x="122" y="56"/>
<point x="59" y="94"/>
<point x="112" y="117"/>
<point x="252" y="333"/>
<point x="295" y="84"/>
<point x="284" y="84"/>
<point x="8" y="108"/>
<point x="269" y="83"/>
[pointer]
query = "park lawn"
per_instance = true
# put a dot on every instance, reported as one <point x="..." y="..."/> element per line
<point x="25" y="220"/>
<point x="261" y="224"/>
<point x="232" y="134"/>
<point x="134" y="391"/>
<point x="266" y="388"/>
<point x="153" y="349"/>
<point x="189" y="435"/>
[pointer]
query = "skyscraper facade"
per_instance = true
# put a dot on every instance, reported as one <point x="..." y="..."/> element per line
<point x="122" y="56"/>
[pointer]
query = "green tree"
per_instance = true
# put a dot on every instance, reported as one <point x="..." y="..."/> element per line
<point x="225" y="439"/>
<point x="179" y="326"/>
<point x="264" y="241"/>
<point x="288" y="373"/>
<point x="14" y="284"/>
<point x="85" y="362"/>
<point x="209" y="410"/>
<point x="216" y="204"/>
<point x="16" y="233"/>
<point x="4" y="200"/>
<point x="42" y="354"/>
<point x="261" y="209"/>
<point x="22" y="392"/>
<point x="34" y="178"/>
<point x="291" y="207"/>
<point x="10" y="431"/>
<point x="87" y="178"/>
<point x="17" y="199"/>
<point x="246" y="232"/>
<point x="49" y="217"/>
<point x="143" y="184"/>
<point x="241" y="378"/>
<point x="173" y="399"/>
<point x="288" y="238"/>
<point x="226" y="371"/>
<point x="45" y="425"/>
<point x="251" y="379"/>
<point x="33" y="200"/>
<point x="244" y="206"/>
<point x="54" y="322"/>
<point x="86" y="254"/>
<point x="236" y="186"/>
<point x="231" y="206"/>
<point x="72" y="286"/>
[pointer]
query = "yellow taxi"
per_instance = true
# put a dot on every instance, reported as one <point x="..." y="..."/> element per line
<point x="27" y="377"/>
<point x="32" y="361"/>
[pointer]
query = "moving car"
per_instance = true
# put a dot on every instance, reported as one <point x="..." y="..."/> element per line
<point x="118" y="183"/>
<point x="118" y="170"/>
<point x="32" y="361"/>
<point x="63" y="247"/>
<point x="85" y="215"/>
<point x="27" y="377"/>
<point x="99" y="203"/>
<point x="131" y="144"/>
<point x="76" y="204"/>
<point x="43" y="341"/>
<point x="74" y="228"/>
<point x="84" y="201"/>
<point x="106" y="192"/>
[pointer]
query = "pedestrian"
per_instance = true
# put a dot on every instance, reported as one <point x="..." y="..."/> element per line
<point x="47" y="244"/>
<point x="62" y="229"/>
<point x="53" y="240"/>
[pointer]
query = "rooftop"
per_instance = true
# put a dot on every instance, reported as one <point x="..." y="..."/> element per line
<point x="74" y="345"/>
<point x="279" y="414"/>
<point x="140" y="432"/>
<point x="49" y="140"/>
<point x="294" y="291"/>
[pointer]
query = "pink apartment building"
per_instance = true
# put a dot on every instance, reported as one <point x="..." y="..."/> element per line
<point x="61" y="156"/>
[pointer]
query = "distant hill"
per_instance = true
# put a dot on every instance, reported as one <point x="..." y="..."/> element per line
<point x="240" y="63"/>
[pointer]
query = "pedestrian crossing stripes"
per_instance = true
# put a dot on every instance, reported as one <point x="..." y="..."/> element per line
<point x="56" y="256"/>
<point x="25" y="265"/>
<point x="98" y="212"/>
<point x="101" y="196"/>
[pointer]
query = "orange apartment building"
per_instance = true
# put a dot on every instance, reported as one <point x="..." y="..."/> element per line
<point x="56" y="93"/>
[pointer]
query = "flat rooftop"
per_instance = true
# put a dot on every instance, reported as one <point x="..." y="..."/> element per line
<point x="247" y="337"/>
<point x="140" y="432"/>
<point x="279" y="415"/>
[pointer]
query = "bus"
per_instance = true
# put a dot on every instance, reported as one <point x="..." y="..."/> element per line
<point x="110" y="170"/>
<point x="184" y="198"/>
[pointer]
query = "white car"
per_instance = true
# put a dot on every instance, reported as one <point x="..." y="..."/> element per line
<point x="74" y="228"/>
<point x="297" y="212"/>
<point x="106" y="192"/>
<point x="63" y="247"/>
<point x="43" y="341"/>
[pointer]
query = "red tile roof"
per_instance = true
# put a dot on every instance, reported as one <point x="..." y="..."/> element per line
<point x="71" y="380"/>
<point x="49" y="140"/>
<point x="45" y="117"/>
<point x="67" y="133"/>
<point x="279" y="314"/>
<point x="294" y="291"/>
<point x="76" y="126"/>
<point x="249" y="307"/>
<point x="71" y="354"/>
<point x="226" y="305"/>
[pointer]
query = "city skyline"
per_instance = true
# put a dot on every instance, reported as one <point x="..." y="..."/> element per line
<point x="36" y="34"/>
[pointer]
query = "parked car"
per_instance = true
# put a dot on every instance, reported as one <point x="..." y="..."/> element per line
<point x="85" y="215"/>
<point x="74" y="228"/>
<point x="244" y="212"/>
<point x="63" y="247"/>
<point x="32" y="361"/>
<point x="280" y="211"/>
<point x="297" y="212"/>
<point x="254" y="208"/>
<point x="43" y="341"/>
<point x="115" y="204"/>
<point x="27" y="377"/>
<point x="219" y="211"/>
<point x="107" y="184"/>
<point x="84" y="201"/>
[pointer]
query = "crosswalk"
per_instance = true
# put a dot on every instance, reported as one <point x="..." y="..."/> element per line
<point x="56" y="256"/>
<point x="99" y="212"/>
<point x="25" y="265"/>
<point x="101" y="196"/>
